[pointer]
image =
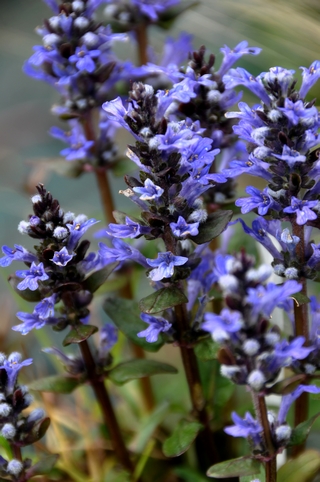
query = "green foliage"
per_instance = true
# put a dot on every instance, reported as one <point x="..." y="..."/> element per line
<point x="300" y="433"/>
<point x="301" y="469"/>
<point x="133" y="369"/>
<point x="126" y="316"/>
<point x="182" y="437"/>
<point x="215" y="225"/>
<point x="206" y="349"/>
<point x="300" y="299"/>
<point x="234" y="468"/>
<point x="44" y="466"/>
<point x="189" y="475"/>
<point x="55" y="384"/>
<point x="5" y="445"/>
<point x="162" y="299"/>
<point x="79" y="333"/>
<point x="96" y="279"/>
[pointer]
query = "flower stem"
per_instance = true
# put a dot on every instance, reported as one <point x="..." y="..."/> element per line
<point x="207" y="452"/>
<point x="101" y="174"/>
<point x="301" y="406"/>
<point x="103" y="399"/>
<point x="260" y="408"/>
<point x="142" y="40"/>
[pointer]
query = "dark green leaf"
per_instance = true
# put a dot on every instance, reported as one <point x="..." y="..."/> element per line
<point x="301" y="469"/>
<point x="234" y="468"/>
<point x="300" y="433"/>
<point x="215" y="225"/>
<point x="79" y="333"/>
<point x="181" y="439"/>
<point x="300" y="299"/>
<point x="95" y="280"/>
<point x="162" y="299"/>
<point x="42" y="427"/>
<point x="56" y="384"/>
<point x="27" y="294"/>
<point x="133" y="369"/>
<point x="286" y="386"/>
<point x="206" y="349"/>
<point x="43" y="466"/>
<point x="126" y="316"/>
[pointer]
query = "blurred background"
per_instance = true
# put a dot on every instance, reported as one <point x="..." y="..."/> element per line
<point x="288" y="31"/>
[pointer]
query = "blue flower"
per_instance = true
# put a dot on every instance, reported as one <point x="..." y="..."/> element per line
<point x="245" y="427"/>
<point x="288" y="241"/>
<point x="131" y="229"/>
<point x="83" y="58"/>
<point x="121" y="251"/>
<point x="230" y="56"/>
<point x="288" y="352"/>
<point x="290" y="156"/>
<point x="227" y="322"/>
<point x="182" y="229"/>
<point x="62" y="257"/>
<point x="157" y="325"/>
<point x="251" y="166"/>
<point x="80" y="147"/>
<point x="19" y="253"/>
<point x="241" y="76"/>
<point x="164" y="265"/>
<point x="12" y="365"/>
<point x="31" y="277"/>
<point x="108" y="338"/>
<point x="80" y="225"/>
<point x="280" y="76"/>
<point x="150" y="191"/>
<point x="260" y="200"/>
<point x="152" y="8"/>
<point x="309" y="77"/>
<point x="288" y="400"/>
<point x="302" y="210"/>
<point x="45" y="309"/>
<point x="265" y="298"/>
<point x="295" y="111"/>
<point x="32" y="321"/>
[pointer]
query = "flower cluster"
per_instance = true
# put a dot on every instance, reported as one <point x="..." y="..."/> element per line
<point x="57" y="272"/>
<point x="252" y="352"/>
<point x="18" y="429"/>
<point x="282" y="136"/>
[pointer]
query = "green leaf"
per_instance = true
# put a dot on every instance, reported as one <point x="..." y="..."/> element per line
<point x="95" y="280"/>
<point x="122" y="167"/>
<point x="27" y="294"/>
<point x="44" y="466"/>
<point x="4" y="443"/>
<point x="168" y="17"/>
<point x="188" y="474"/>
<point x="234" y="468"/>
<point x="300" y="299"/>
<point x="286" y="386"/>
<point x="126" y="316"/>
<point x="133" y="369"/>
<point x="162" y="299"/>
<point x="55" y="384"/>
<point x="300" y="433"/>
<point x="147" y="426"/>
<point x="181" y="439"/>
<point x="41" y="428"/>
<point x="301" y="469"/>
<point x="79" y="333"/>
<point x="215" y="225"/>
<point x="206" y="349"/>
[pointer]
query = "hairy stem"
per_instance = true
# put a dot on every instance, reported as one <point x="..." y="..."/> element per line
<point x="103" y="399"/>
<point x="207" y="452"/>
<point x="101" y="174"/>
<point x="142" y="40"/>
<point x="301" y="406"/>
<point x="260" y="408"/>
